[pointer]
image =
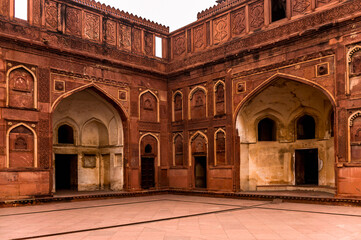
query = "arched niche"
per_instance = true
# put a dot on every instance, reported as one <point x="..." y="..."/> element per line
<point x="66" y="134"/>
<point x="219" y="98"/>
<point x="178" y="150"/>
<point x="94" y="133"/>
<point x="21" y="148"/>
<point x="284" y="100"/>
<point x="177" y="103"/>
<point x="267" y="130"/>
<point x="306" y="127"/>
<point x="148" y="107"/>
<point x="149" y="160"/>
<point x="197" y="104"/>
<point x="198" y="145"/>
<point x="354" y="137"/>
<point x="220" y="148"/>
<point x="21" y="88"/>
<point x="353" y="70"/>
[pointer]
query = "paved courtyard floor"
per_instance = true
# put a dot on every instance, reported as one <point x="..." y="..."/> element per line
<point x="174" y="217"/>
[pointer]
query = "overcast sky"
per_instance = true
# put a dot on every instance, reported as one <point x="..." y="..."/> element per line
<point x="172" y="13"/>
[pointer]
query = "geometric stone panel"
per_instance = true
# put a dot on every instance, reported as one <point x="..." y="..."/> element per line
<point x="256" y="15"/>
<point x="51" y="15"/>
<point x="73" y="21"/>
<point x="92" y="26"/>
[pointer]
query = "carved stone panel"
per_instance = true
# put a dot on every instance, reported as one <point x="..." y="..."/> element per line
<point x="219" y="99"/>
<point x="125" y="37"/>
<point x="111" y="32"/>
<point x="198" y="104"/>
<point x="51" y="15"/>
<point x="73" y="21"/>
<point x="220" y="30"/>
<point x="148" y="43"/>
<point x="179" y="45"/>
<point x="178" y="107"/>
<point x="21" y="89"/>
<point x="137" y="41"/>
<point x="148" y="108"/>
<point x="178" y="150"/>
<point x="21" y="148"/>
<point x="355" y="66"/>
<point x="199" y="37"/>
<point x="221" y="148"/>
<point x="320" y="3"/>
<point x="149" y="146"/>
<point x="4" y="8"/>
<point x="256" y="16"/>
<point x="301" y="6"/>
<point x="355" y="138"/>
<point x="92" y="26"/>
<point x="238" y="22"/>
<point x="36" y="12"/>
<point x="199" y="145"/>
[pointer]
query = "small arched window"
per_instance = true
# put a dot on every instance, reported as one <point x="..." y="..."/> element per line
<point x="278" y="9"/>
<point x="65" y="134"/>
<point x="267" y="130"/>
<point x="306" y="127"/>
<point x="148" y="148"/>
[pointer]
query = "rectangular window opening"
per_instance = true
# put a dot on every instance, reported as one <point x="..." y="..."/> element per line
<point x="21" y="9"/>
<point x="158" y="47"/>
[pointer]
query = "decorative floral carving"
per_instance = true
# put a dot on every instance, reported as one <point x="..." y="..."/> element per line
<point x="137" y="40"/>
<point x="110" y="33"/>
<point x="92" y="26"/>
<point x="148" y="43"/>
<point x="51" y="15"/>
<point x="238" y="22"/>
<point x="199" y="37"/>
<point x="256" y="15"/>
<point x="36" y="12"/>
<point x="44" y="84"/>
<point x="73" y="21"/>
<point x="179" y="44"/>
<point x="300" y="6"/>
<point x="125" y="36"/>
<point x="220" y="29"/>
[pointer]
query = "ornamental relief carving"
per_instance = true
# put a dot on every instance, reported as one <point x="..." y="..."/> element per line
<point x="73" y="21"/>
<point x="51" y="15"/>
<point x="199" y="37"/>
<point x="36" y="12"/>
<point x="355" y="137"/>
<point x="110" y="32"/>
<point x="21" y="89"/>
<point x="238" y="22"/>
<point x="220" y="30"/>
<point x="4" y="7"/>
<point x="256" y="12"/>
<point x="137" y="40"/>
<point x="148" y="43"/>
<point x="179" y="45"/>
<point x="300" y="6"/>
<point x="125" y="36"/>
<point x="92" y="26"/>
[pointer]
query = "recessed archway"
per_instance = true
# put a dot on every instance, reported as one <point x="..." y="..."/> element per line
<point x="271" y="161"/>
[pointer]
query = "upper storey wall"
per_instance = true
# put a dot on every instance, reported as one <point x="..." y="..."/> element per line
<point x="235" y="20"/>
<point x="111" y="32"/>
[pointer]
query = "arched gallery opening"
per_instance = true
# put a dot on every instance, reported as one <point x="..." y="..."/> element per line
<point x="286" y="138"/>
<point x="88" y="143"/>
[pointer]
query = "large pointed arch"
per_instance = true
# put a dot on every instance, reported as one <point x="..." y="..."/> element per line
<point x="274" y="78"/>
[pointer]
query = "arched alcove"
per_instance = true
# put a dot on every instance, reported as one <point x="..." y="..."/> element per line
<point x="267" y="130"/>
<point x="306" y="127"/>
<point x="65" y="134"/>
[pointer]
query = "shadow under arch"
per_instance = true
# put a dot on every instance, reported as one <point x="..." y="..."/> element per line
<point x="273" y="79"/>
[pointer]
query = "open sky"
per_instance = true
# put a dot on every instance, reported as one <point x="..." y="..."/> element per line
<point x="172" y="13"/>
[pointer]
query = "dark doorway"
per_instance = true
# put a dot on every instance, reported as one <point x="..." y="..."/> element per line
<point x="65" y="134"/>
<point x="66" y="172"/>
<point x="306" y="167"/>
<point x="266" y="130"/>
<point x="306" y="127"/>
<point x="147" y="172"/>
<point x="200" y="171"/>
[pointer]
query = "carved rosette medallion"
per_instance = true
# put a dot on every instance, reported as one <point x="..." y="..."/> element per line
<point x="220" y="29"/>
<point x="238" y="22"/>
<point x="92" y="27"/>
<point x="51" y="15"/>
<point x="125" y="36"/>
<point x="110" y="33"/>
<point x="179" y="46"/>
<point x="256" y="15"/>
<point x="300" y="6"/>
<point x="73" y="21"/>
<point x="199" y="37"/>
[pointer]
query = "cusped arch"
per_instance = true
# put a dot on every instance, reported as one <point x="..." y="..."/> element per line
<point x="278" y="123"/>
<point x="156" y="97"/>
<point x="274" y="78"/>
<point x="299" y="113"/>
<point x="35" y="97"/>
<point x="112" y="100"/>
<point x="8" y="144"/>
<point x="190" y="97"/>
<point x="215" y="88"/>
<point x="174" y="146"/>
<point x="194" y="136"/>
<point x="349" y="55"/>
<point x="219" y="130"/>
<point x="350" y="124"/>
<point x="66" y="121"/>
<point x="158" y="146"/>
<point x="178" y="92"/>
